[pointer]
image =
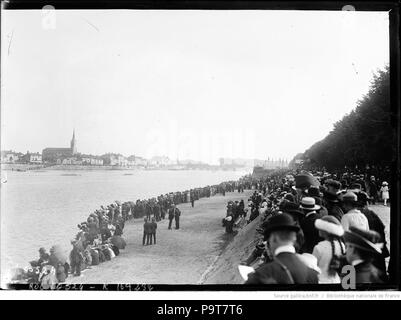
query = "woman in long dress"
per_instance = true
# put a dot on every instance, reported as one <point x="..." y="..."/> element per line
<point x="384" y="190"/>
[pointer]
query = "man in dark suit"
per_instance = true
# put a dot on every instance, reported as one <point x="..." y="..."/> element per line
<point x="375" y="224"/>
<point x="146" y="231"/>
<point x="332" y="203"/>
<point x="307" y="224"/>
<point x="362" y="248"/>
<point x="373" y="190"/>
<point x="174" y="213"/>
<point x="177" y="214"/>
<point x="192" y="197"/>
<point x="286" y="268"/>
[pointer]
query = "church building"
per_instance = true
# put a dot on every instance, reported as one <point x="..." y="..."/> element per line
<point x="52" y="154"/>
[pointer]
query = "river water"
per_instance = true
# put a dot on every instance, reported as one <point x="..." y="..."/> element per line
<point x="43" y="208"/>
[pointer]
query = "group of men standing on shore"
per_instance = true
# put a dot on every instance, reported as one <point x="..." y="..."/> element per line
<point x="150" y="226"/>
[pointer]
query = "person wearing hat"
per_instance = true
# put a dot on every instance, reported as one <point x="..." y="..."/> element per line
<point x="362" y="247"/>
<point x="153" y="228"/>
<point x="384" y="190"/>
<point x="375" y="224"/>
<point x="43" y="256"/>
<point x="297" y="214"/>
<point x="314" y="192"/>
<point x="290" y="197"/>
<point x="76" y="259"/>
<point x="353" y="217"/>
<point x="286" y="268"/>
<point x="355" y="187"/>
<point x="333" y="186"/>
<point x="373" y="189"/>
<point x="332" y="203"/>
<point x="332" y="247"/>
<point x="146" y="231"/>
<point x="312" y="238"/>
<point x="360" y="180"/>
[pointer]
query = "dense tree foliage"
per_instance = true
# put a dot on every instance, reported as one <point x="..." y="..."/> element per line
<point x="364" y="136"/>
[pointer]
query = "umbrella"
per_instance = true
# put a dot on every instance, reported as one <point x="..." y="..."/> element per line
<point x="305" y="180"/>
<point x="118" y="241"/>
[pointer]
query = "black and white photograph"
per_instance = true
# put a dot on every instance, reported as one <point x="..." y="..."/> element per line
<point x="157" y="147"/>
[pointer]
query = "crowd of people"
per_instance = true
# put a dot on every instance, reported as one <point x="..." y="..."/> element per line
<point x="311" y="225"/>
<point x="314" y="223"/>
<point x="100" y="237"/>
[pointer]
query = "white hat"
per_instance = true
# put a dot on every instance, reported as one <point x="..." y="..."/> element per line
<point x="330" y="225"/>
<point x="309" y="203"/>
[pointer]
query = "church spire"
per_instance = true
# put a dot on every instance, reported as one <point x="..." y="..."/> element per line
<point x="73" y="143"/>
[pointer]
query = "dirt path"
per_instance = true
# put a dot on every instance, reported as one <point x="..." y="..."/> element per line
<point x="179" y="257"/>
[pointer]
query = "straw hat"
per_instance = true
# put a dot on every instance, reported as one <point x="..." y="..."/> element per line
<point x="309" y="203"/>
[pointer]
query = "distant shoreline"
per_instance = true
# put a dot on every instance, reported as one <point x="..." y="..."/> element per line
<point x="41" y="167"/>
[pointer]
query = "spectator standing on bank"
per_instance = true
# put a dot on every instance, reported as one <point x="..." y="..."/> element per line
<point x="312" y="238"/>
<point x="362" y="247"/>
<point x="286" y="268"/>
<point x="384" y="190"/>
<point x="373" y="190"/>
<point x="173" y="213"/>
<point x="177" y="214"/>
<point x="331" y="250"/>
<point x="153" y="227"/>
<point x="192" y="198"/>
<point x="353" y="217"/>
<point x="146" y="231"/>
<point x="375" y="224"/>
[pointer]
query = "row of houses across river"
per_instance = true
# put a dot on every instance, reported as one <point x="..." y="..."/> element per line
<point x="70" y="156"/>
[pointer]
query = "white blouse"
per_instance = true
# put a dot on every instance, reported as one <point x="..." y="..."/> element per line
<point x="322" y="251"/>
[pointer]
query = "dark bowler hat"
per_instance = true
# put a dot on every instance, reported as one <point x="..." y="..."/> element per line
<point x="362" y="198"/>
<point x="350" y="197"/>
<point x="366" y="240"/>
<point x="314" y="191"/>
<point x="331" y="197"/>
<point x="305" y="180"/>
<point x="290" y="197"/>
<point x="280" y="222"/>
<point x="296" y="213"/>
<point x="355" y="187"/>
<point x="291" y="207"/>
<point x="333" y="183"/>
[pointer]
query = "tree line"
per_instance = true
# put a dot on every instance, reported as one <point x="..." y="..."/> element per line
<point x="363" y="137"/>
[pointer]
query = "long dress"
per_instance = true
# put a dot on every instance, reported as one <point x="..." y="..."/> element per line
<point x="385" y="193"/>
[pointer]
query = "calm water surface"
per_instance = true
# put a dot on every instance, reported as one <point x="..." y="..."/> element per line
<point x="43" y="208"/>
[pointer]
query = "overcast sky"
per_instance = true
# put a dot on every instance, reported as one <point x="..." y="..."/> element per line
<point x="186" y="84"/>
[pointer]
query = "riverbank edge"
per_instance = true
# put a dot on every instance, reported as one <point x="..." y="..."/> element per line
<point x="224" y="238"/>
<point x="61" y="167"/>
